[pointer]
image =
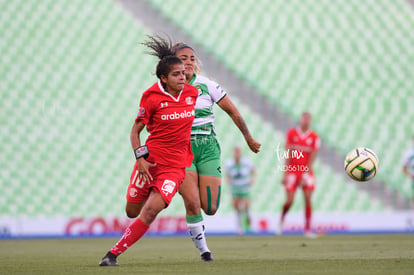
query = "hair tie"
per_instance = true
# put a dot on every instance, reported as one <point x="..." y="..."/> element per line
<point x="183" y="46"/>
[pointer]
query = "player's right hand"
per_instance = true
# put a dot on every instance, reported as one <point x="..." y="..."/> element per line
<point x="143" y="170"/>
<point x="254" y="145"/>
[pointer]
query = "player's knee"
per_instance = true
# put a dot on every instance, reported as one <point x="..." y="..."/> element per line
<point x="132" y="210"/>
<point x="147" y="217"/>
<point x="192" y="207"/>
<point x="289" y="199"/>
<point x="210" y="210"/>
<point x="149" y="214"/>
<point x="287" y="204"/>
<point x="131" y="213"/>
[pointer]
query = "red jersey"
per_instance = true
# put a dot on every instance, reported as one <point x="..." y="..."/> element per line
<point x="169" y="120"/>
<point x="299" y="145"/>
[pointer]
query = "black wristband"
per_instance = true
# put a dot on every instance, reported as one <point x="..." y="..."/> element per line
<point x="141" y="151"/>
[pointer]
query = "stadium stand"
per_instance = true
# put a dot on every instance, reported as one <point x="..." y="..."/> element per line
<point x="69" y="94"/>
<point x="348" y="62"/>
<point x="72" y="73"/>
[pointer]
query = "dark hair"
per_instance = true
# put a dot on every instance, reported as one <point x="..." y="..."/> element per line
<point x="163" y="49"/>
<point x="181" y="45"/>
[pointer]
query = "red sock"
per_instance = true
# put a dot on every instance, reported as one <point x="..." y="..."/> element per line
<point x="308" y="216"/>
<point x="132" y="234"/>
<point x="285" y="209"/>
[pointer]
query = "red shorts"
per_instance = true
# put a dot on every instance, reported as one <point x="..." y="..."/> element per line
<point x="166" y="181"/>
<point x="294" y="180"/>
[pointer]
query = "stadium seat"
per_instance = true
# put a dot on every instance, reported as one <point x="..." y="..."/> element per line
<point x="71" y="78"/>
<point x="358" y="58"/>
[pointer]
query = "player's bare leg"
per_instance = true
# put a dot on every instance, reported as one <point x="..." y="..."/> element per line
<point x="190" y="193"/>
<point x="246" y="204"/>
<point x="189" y="190"/>
<point x="132" y="210"/>
<point x="210" y="192"/>
<point x="307" y="194"/>
<point x="238" y="207"/>
<point x="290" y="196"/>
<point x="154" y="205"/>
<point x="412" y="193"/>
<point x="242" y="207"/>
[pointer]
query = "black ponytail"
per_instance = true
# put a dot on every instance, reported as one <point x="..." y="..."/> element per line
<point x="163" y="49"/>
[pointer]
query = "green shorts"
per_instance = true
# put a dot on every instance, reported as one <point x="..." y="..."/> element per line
<point x="207" y="152"/>
<point x="240" y="195"/>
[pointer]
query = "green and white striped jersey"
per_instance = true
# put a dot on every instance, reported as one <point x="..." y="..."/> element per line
<point x="209" y="92"/>
<point x="240" y="174"/>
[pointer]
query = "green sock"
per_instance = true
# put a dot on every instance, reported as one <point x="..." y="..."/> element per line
<point x="194" y="219"/>
<point x="246" y="225"/>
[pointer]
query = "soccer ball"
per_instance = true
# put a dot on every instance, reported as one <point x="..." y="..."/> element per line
<point x="361" y="164"/>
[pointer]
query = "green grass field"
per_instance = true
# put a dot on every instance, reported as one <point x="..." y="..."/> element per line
<point x="375" y="254"/>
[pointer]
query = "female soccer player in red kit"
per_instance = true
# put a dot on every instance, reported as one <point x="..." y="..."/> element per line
<point x="302" y="145"/>
<point x="167" y="110"/>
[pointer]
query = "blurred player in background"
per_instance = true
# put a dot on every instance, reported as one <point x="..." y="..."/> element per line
<point x="167" y="109"/>
<point x="202" y="185"/>
<point x="240" y="173"/>
<point x="302" y="145"/>
<point x="408" y="168"/>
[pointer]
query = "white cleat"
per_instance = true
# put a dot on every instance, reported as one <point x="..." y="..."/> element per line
<point x="310" y="235"/>
<point x="279" y="229"/>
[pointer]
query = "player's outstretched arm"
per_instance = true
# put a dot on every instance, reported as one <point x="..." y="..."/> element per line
<point x="227" y="105"/>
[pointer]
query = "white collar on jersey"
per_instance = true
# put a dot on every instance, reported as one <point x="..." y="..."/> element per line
<point x="301" y="133"/>
<point x="167" y="93"/>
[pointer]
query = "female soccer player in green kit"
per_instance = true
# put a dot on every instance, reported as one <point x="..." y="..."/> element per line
<point x="202" y="185"/>
<point x="240" y="173"/>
